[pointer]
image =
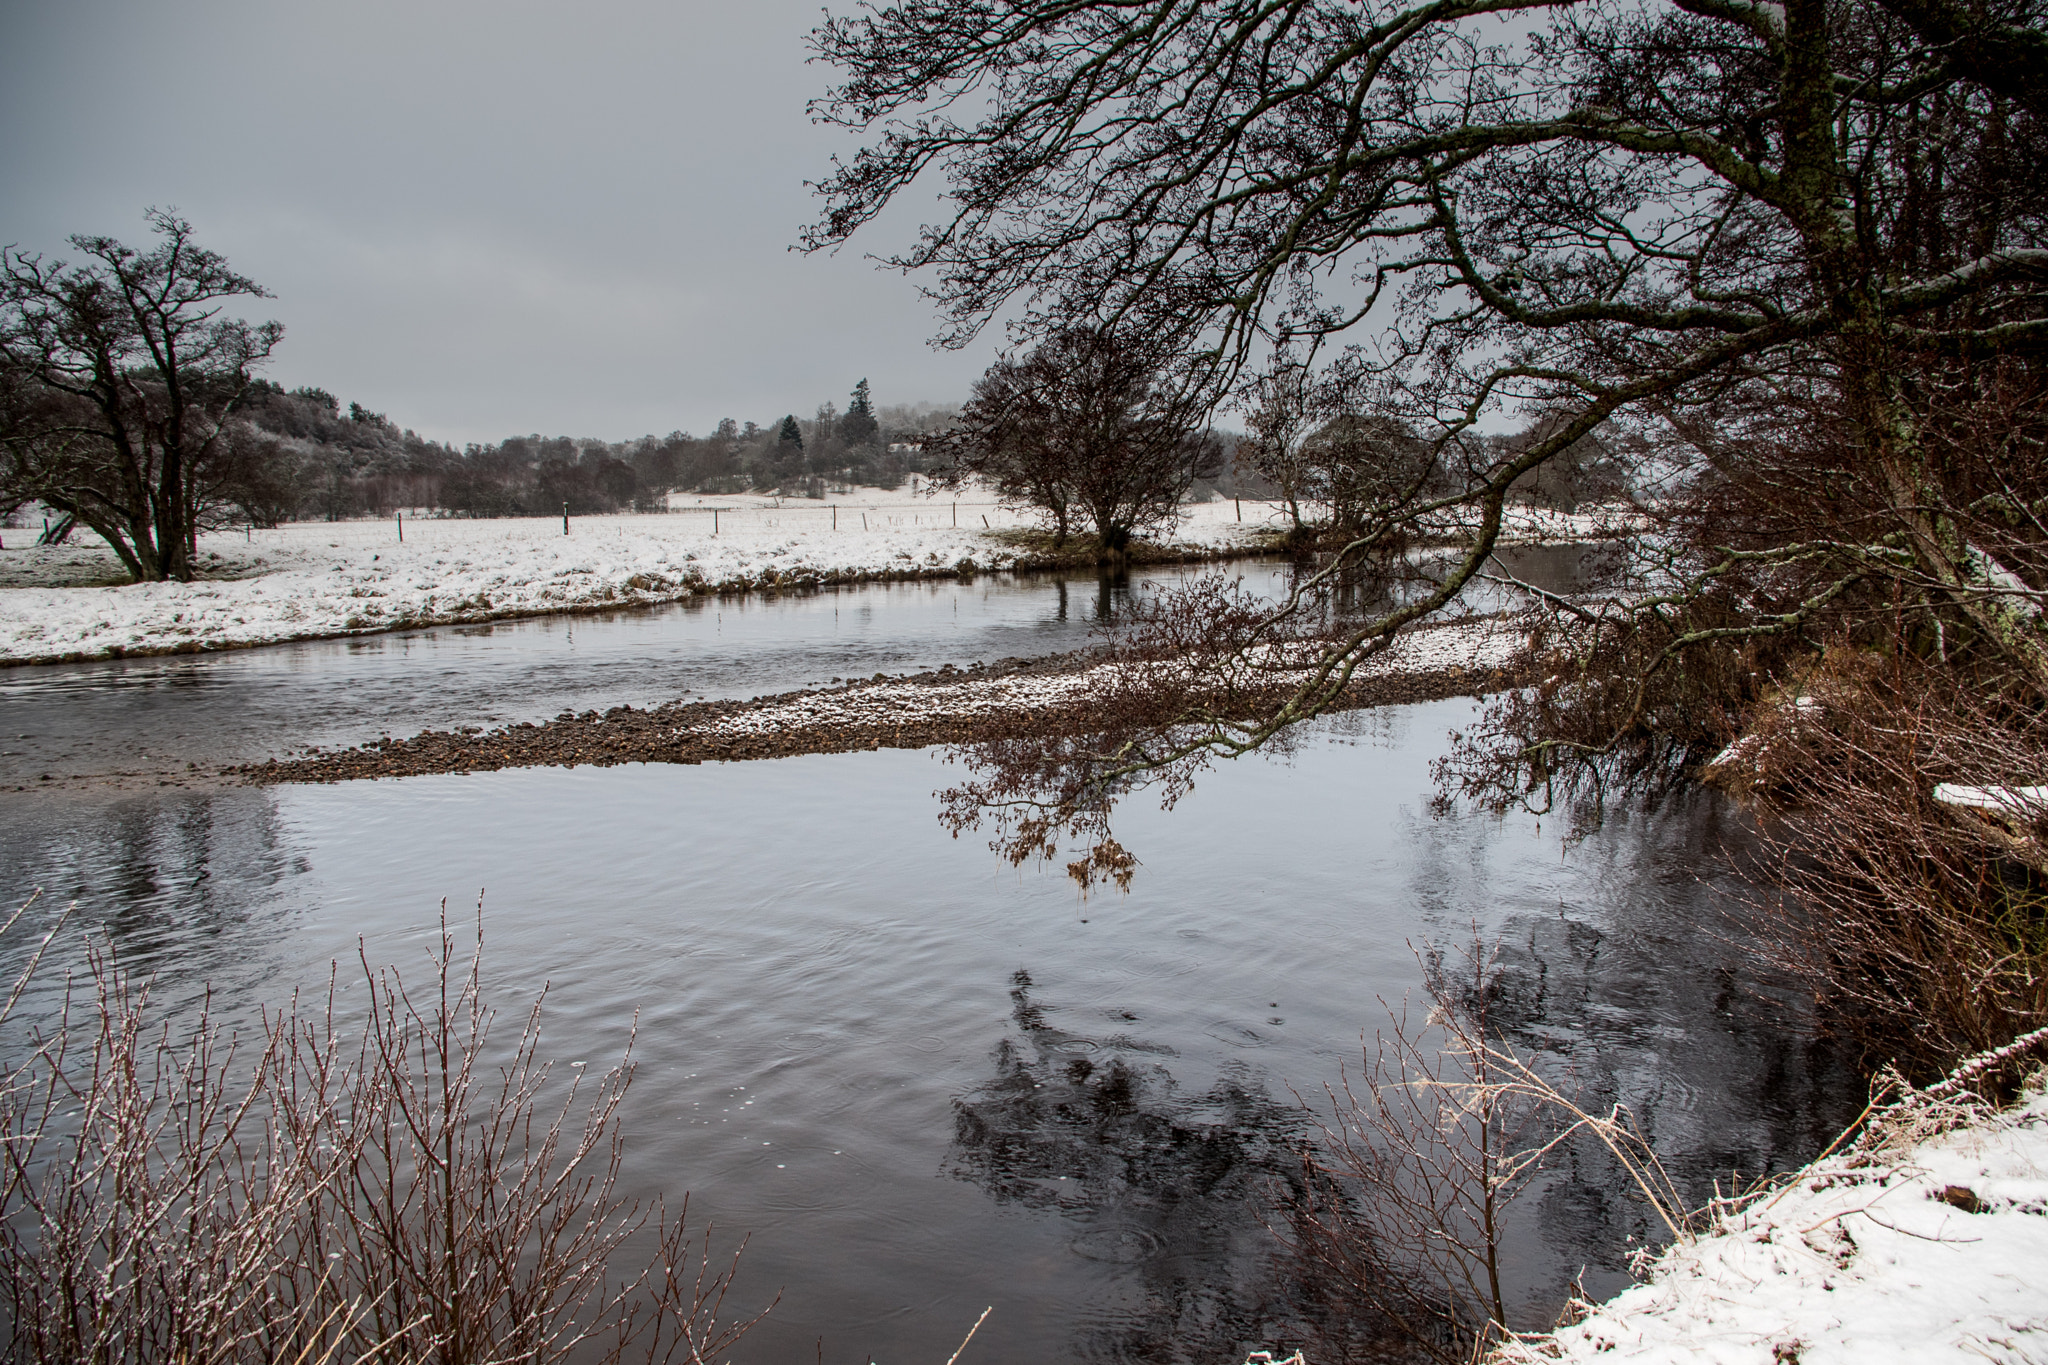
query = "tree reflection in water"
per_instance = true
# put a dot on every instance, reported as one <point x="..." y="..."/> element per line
<point x="1650" y="993"/>
<point x="192" y="888"/>
<point x="1641" y="991"/>
<point x="1177" y="1196"/>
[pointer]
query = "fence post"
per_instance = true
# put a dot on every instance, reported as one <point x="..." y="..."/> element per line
<point x="835" y="516"/>
<point x="401" y="526"/>
<point x="565" y="518"/>
<point x="1240" y="508"/>
<point x="956" y="516"/>
<point x="714" y="521"/>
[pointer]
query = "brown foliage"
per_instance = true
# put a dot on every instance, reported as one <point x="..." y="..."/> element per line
<point x="1921" y="926"/>
<point x="1191" y="673"/>
<point x="1787" y="605"/>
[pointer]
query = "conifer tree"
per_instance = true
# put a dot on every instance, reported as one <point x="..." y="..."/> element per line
<point x="859" y="427"/>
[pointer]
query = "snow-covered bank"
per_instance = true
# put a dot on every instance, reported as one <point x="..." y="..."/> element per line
<point x="318" y="579"/>
<point x="1926" y="1241"/>
<point x="312" y="580"/>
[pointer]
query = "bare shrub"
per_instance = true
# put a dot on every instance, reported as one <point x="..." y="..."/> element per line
<point x="1420" y="1160"/>
<point x="172" y="1192"/>
<point x="1922" y="927"/>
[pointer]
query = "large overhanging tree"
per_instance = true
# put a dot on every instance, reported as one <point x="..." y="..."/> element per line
<point x="117" y="380"/>
<point x="1793" y="257"/>
<point x="1598" y="211"/>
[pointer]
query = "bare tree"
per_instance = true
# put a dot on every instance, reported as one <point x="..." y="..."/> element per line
<point x="1091" y="422"/>
<point x="1328" y="445"/>
<point x="1279" y="408"/>
<point x="1634" y="212"/>
<point x="1009" y="437"/>
<point x="1705" y="231"/>
<point x="119" y="376"/>
<point x="1786" y="265"/>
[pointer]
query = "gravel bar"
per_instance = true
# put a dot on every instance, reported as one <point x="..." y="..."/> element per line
<point x="950" y="706"/>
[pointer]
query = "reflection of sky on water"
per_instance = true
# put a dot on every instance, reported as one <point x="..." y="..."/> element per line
<point x="832" y="1017"/>
<point x="877" y="1049"/>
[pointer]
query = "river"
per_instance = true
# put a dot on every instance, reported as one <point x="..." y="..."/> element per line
<point x="923" y="1083"/>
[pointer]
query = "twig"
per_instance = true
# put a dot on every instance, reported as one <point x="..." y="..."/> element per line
<point x="970" y="1334"/>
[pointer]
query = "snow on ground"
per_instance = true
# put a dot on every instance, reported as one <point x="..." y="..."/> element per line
<point x="317" y="579"/>
<point x="1477" y="644"/>
<point x="1903" y="1248"/>
<point x="323" y="579"/>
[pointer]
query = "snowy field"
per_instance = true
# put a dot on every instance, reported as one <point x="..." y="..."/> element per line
<point x="1907" y="1247"/>
<point x="317" y="579"/>
<point x="323" y="579"/>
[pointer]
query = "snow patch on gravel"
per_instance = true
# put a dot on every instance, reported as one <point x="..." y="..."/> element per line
<point x="1480" y="644"/>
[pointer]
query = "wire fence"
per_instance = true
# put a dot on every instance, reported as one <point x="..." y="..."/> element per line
<point x="709" y="517"/>
<point x="868" y="516"/>
<point x="424" y="526"/>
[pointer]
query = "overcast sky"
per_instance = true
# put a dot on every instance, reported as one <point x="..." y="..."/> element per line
<point x="480" y="217"/>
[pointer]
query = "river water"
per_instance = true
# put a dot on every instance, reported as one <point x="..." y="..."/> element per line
<point x="924" y="1083"/>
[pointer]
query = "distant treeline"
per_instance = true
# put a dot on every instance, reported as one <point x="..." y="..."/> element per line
<point x="319" y="461"/>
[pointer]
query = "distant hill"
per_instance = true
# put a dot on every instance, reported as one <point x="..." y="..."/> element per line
<point x="313" y="460"/>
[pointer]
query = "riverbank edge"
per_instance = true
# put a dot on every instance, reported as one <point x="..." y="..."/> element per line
<point x="629" y="597"/>
<point x="1009" y="551"/>
<point x="1804" y="1270"/>
<point x="690" y="732"/>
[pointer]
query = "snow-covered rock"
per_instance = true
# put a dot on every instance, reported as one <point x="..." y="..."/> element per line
<point x="2029" y="803"/>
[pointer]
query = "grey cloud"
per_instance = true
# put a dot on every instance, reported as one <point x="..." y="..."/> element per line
<point x="480" y="217"/>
